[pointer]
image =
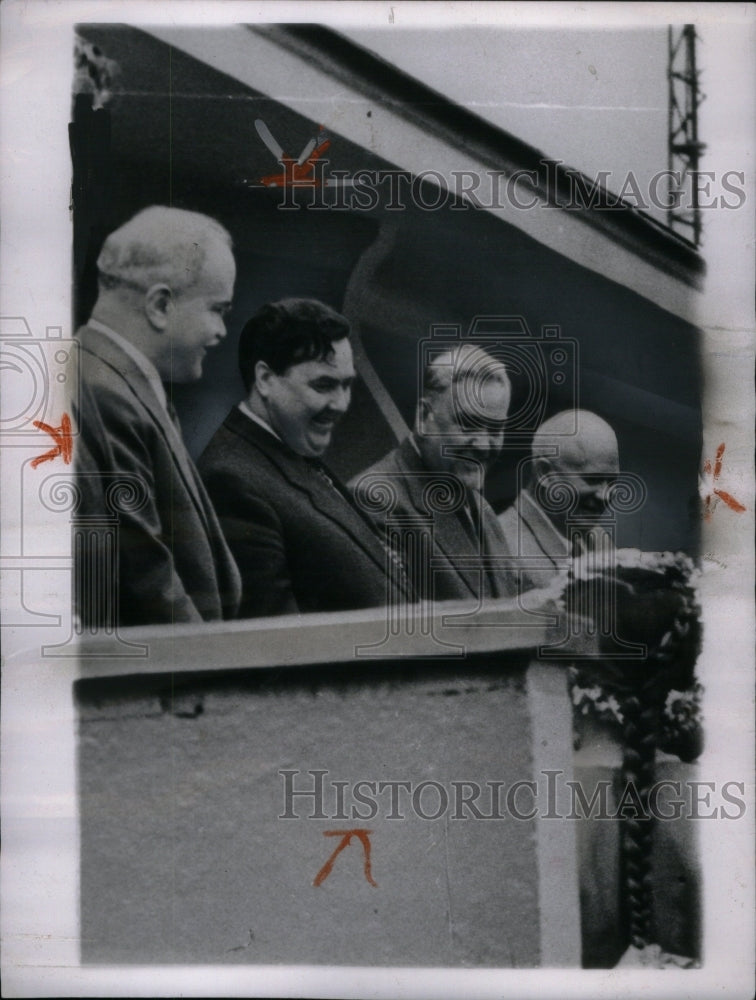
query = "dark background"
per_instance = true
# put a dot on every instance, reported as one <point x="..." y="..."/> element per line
<point x="177" y="132"/>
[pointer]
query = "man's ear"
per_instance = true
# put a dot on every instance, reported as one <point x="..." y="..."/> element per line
<point x="158" y="305"/>
<point x="541" y="467"/>
<point x="263" y="376"/>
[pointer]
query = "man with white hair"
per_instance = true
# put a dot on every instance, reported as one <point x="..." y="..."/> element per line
<point x="439" y="471"/>
<point x="165" y="281"/>
<point x="574" y="462"/>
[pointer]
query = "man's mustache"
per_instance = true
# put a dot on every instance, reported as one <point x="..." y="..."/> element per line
<point x="328" y="416"/>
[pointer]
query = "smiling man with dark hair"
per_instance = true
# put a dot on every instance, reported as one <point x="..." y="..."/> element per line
<point x="296" y="363"/>
<point x="300" y="541"/>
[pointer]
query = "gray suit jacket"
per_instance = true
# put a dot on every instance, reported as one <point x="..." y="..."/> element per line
<point x="173" y="562"/>
<point x="531" y="536"/>
<point x="459" y="547"/>
<point x="541" y="549"/>
<point x="300" y="543"/>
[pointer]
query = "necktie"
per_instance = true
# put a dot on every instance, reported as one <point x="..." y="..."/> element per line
<point x="203" y="503"/>
<point x="325" y="476"/>
<point x="471" y="524"/>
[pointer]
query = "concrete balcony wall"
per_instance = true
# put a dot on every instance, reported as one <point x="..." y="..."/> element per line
<point x="184" y="854"/>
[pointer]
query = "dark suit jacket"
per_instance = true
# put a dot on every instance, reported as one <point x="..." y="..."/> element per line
<point x="300" y="544"/>
<point x="173" y="562"/>
<point x="454" y="539"/>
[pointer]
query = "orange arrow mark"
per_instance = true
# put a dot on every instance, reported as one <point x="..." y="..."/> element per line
<point x="346" y="837"/>
<point x="62" y="438"/>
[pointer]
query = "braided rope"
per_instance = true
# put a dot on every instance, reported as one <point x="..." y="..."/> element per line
<point x="641" y="711"/>
<point x="642" y="707"/>
<point x="633" y="696"/>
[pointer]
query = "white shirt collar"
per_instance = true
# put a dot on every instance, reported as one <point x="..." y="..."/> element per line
<point x="247" y="411"/>
<point x="142" y="362"/>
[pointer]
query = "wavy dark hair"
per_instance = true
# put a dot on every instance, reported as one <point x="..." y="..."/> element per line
<point x="287" y="333"/>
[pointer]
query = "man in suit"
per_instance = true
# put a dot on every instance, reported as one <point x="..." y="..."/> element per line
<point x="575" y="458"/>
<point x="300" y="541"/>
<point x="439" y="471"/>
<point x="573" y="453"/>
<point x="166" y="280"/>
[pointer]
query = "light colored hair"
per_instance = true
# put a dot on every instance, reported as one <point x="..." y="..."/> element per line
<point x="159" y="245"/>
<point x="461" y="362"/>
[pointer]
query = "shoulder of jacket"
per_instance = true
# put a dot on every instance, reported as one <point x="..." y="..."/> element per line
<point x="389" y="463"/>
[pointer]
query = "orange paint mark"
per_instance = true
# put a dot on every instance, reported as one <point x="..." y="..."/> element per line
<point x="297" y="174"/>
<point x="718" y="461"/>
<point x="731" y="502"/>
<point x="62" y="438"/>
<point x="346" y="837"/>
<point x="711" y="498"/>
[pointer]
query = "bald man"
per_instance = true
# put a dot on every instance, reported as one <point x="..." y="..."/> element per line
<point x="577" y="451"/>
<point x="458" y="434"/>
<point x="165" y="282"/>
<point x="583" y="461"/>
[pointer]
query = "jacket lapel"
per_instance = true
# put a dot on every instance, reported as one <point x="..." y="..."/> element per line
<point x="108" y="352"/>
<point x="550" y="542"/>
<point x="502" y="582"/>
<point x="327" y="499"/>
<point x="449" y="534"/>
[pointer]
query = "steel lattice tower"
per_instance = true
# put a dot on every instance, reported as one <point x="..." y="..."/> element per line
<point x="684" y="146"/>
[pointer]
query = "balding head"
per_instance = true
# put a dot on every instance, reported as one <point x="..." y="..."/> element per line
<point x="587" y="459"/>
<point x="594" y="444"/>
<point x="160" y="245"/>
<point x="166" y="279"/>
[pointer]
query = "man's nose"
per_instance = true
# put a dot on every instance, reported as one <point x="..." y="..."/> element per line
<point x="603" y="490"/>
<point x="486" y="441"/>
<point x="340" y="399"/>
<point x="598" y="495"/>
